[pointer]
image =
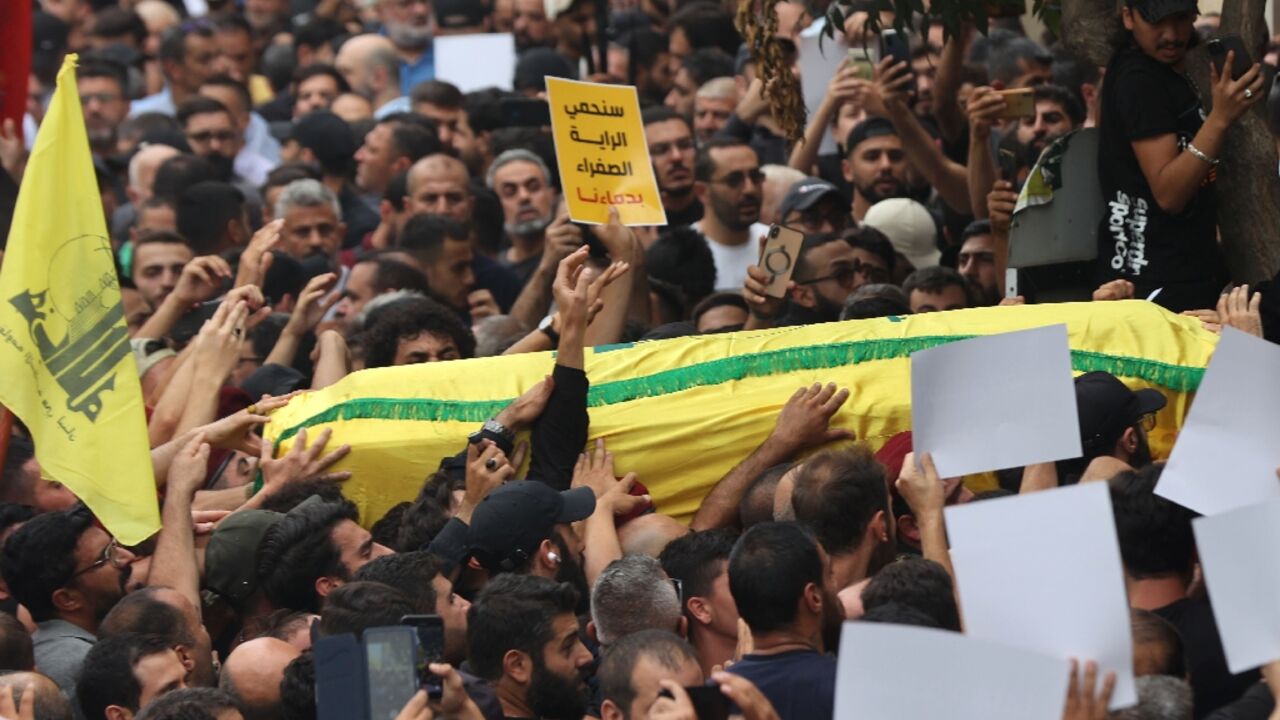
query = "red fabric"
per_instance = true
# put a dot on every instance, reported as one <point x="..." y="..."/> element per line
<point x="15" y="59"/>
<point x="893" y="453"/>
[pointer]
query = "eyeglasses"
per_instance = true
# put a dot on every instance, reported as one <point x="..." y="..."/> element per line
<point x="844" y="275"/>
<point x="812" y="220"/>
<point x="1148" y="421"/>
<point x="679" y="586"/>
<point x="102" y="97"/>
<point x="735" y="179"/>
<point x="662" y="148"/>
<point x="110" y="554"/>
<point x="205" y="136"/>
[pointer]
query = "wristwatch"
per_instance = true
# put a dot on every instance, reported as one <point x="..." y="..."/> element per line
<point x="496" y="431"/>
<point x="549" y="330"/>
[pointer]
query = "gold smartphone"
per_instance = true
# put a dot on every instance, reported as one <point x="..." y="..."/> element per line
<point x="862" y="60"/>
<point x="779" y="258"/>
<point x="1018" y="103"/>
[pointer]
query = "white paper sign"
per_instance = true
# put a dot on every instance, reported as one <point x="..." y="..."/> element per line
<point x="995" y="402"/>
<point x="1042" y="572"/>
<point x="475" y="62"/>
<point x="817" y="66"/>
<point x="892" y="672"/>
<point x="1240" y="554"/>
<point x="1229" y="448"/>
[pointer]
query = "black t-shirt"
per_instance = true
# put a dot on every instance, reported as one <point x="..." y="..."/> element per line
<point x="801" y="684"/>
<point x="687" y="216"/>
<point x="1213" y="683"/>
<point x="1145" y="98"/>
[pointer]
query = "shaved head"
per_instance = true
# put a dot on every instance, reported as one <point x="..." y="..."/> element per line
<point x="252" y="674"/>
<point x="438" y="185"/>
<point x="649" y="534"/>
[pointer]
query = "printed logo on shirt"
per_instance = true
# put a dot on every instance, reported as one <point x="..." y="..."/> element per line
<point x="1127" y="223"/>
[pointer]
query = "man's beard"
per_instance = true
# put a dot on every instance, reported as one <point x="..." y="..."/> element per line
<point x="874" y="196"/>
<point x="827" y="311"/>
<point x="223" y="166"/>
<point x="570" y="571"/>
<point x="554" y="697"/>
<point x="528" y="227"/>
<point x="102" y="137"/>
<point x="730" y="214"/>
<point x="1141" y="456"/>
<point x="404" y="35"/>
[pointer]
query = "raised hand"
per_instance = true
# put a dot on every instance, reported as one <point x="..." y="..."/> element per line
<point x="1000" y="204"/>
<point x="1231" y="98"/>
<point x="570" y="287"/>
<point x="1083" y="703"/>
<point x="562" y="238"/>
<point x="312" y="304"/>
<point x="301" y="462"/>
<point x="189" y="468"/>
<point x="487" y="469"/>
<point x="753" y="704"/>
<point x="1114" y="290"/>
<point x="201" y="279"/>
<point x="1236" y="309"/>
<point x="235" y="431"/>
<point x="482" y="305"/>
<point x="805" y="421"/>
<point x="672" y="704"/>
<point x="923" y="490"/>
<point x="217" y="348"/>
<point x="983" y="108"/>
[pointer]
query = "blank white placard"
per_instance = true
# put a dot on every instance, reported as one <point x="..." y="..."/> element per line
<point x="1043" y="572"/>
<point x="994" y="402"/>
<point x="1240" y="554"/>
<point x="475" y="62"/>
<point x="899" y="672"/>
<point x="1227" y="451"/>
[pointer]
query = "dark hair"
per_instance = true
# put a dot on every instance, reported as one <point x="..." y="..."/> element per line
<point x="173" y="40"/>
<point x="408" y="572"/>
<point x="769" y="569"/>
<point x="715" y="300"/>
<point x="200" y="105"/>
<point x="1005" y="49"/>
<point x="39" y="558"/>
<point x="297" y="550"/>
<point x="661" y="113"/>
<point x="50" y="702"/>
<point x="358" y="606"/>
<point x="808" y="245"/>
<point x="917" y="583"/>
<point x="141" y="612"/>
<point x="15" y="485"/>
<point x="974" y="229"/>
<point x="706" y="25"/>
<point x="203" y="211"/>
<point x="192" y="703"/>
<point x="407" y="318"/>
<point x="180" y="172"/>
<point x="681" y="257"/>
<point x="430" y="511"/>
<point x="13" y="513"/>
<point x="837" y="494"/>
<point x="619" y="664"/>
<point x="317" y="31"/>
<point x="514" y="612"/>
<point x="386" y="531"/>
<point x="113" y="22"/>
<point x="1064" y="97"/>
<point x="874" y="241"/>
<point x="424" y="236"/>
<point x="412" y="140"/>
<point x="644" y="46"/>
<point x="307" y="72"/>
<point x="707" y="64"/>
<point x="15" y="645"/>
<point x="241" y="90"/>
<point x="756" y="505"/>
<point x="704" y="166"/>
<point x="439" y="93"/>
<point x="93" y="67"/>
<point x="935" y="279"/>
<point x="1070" y="71"/>
<point x="284" y="174"/>
<point x="298" y="688"/>
<point x="1148" y="627"/>
<point x="697" y="559"/>
<point x="392" y="274"/>
<point x="896" y="613"/>
<point x="106" y="676"/>
<point x="1154" y="533"/>
<point x="293" y="495"/>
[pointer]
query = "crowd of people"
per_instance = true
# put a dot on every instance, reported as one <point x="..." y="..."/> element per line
<point x="293" y="195"/>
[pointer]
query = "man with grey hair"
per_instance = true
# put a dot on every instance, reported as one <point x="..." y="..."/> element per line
<point x="313" y="226"/>
<point x="50" y="702"/>
<point x="632" y="672"/>
<point x="410" y="27"/>
<point x="522" y="183"/>
<point x="371" y="67"/>
<point x="1160" y="697"/>
<point x="714" y="102"/>
<point x="633" y="594"/>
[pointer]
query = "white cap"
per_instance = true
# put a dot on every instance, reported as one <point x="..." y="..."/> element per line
<point x="910" y="228"/>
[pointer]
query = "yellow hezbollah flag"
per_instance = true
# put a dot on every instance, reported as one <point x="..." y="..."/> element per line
<point x="65" y="365"/>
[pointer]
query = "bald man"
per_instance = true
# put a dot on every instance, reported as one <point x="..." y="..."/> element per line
<point x="649" y="534"/>
<point x="438" y="185"/>
<point x="372" y="69"/>
<point x="51" y="704"/>
<point x="252" y="674"/>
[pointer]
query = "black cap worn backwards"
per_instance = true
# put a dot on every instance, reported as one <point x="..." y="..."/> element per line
<point x="509" y="524"/>
<point x="1107" y="406"/>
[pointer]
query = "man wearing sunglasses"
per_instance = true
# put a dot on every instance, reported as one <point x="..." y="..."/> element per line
<point x="1114" y="422"/>
<point x="68" y="573"/>
<point x="730" y="185"/>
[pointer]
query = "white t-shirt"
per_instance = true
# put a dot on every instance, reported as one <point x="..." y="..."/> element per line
<point x="732" y="261"/>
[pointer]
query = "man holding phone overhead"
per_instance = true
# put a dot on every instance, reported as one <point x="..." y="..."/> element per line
<point x="1158" y="155"/>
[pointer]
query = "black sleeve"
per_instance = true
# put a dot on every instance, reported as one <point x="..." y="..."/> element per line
<point x="1143" y="103"/>
<point x="1256" y="704"/>
<point x="451" y="545"/>
<point x="561" y="432"/>
<point x="734" y="128"/>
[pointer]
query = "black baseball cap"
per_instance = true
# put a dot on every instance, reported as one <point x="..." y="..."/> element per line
<point x="1107" y="406"/>
<point x="1153" y="11"/>
<point x="328" y="136"/>
<point x="508" y="525"/>
<point x="872" y="127"/>
<point x="537" y="64"/>
<point x="806" y="193"/>
<point x="453" y="14"/>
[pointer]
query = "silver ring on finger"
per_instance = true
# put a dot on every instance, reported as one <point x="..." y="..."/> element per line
<point x="237" y="332"/>
<point x="491" y="464"/>
<point x="1248" y="94"/>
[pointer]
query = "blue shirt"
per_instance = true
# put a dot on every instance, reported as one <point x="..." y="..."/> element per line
<point x="801" y="684"/>
<point x="421" y="71"/>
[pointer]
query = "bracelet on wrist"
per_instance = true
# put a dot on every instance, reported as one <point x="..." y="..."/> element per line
<point x="1200" y="155"/>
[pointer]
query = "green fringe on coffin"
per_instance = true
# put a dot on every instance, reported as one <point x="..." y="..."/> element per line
<point x="1179" y="378"/>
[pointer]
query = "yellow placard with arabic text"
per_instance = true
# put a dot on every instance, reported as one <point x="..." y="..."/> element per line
<point x="603" y="156"/>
